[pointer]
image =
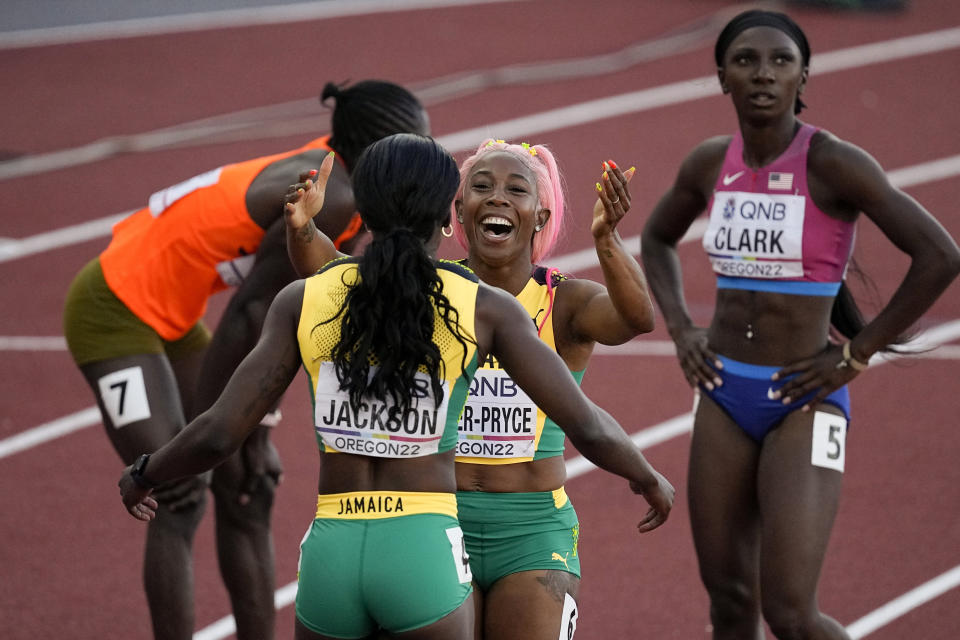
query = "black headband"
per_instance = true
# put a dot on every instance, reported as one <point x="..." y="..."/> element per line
<point x="758" y="18"/>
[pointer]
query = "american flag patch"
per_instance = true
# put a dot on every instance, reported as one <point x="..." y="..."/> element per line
<point x="781" y="181"/>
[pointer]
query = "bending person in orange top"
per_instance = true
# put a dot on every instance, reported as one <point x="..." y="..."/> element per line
<point x="133" y="325"/>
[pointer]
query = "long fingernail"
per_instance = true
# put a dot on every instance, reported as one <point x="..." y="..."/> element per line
<point x="612" y="163"/>
<point x="313" y="172"/>
<point x="599" y="188"/>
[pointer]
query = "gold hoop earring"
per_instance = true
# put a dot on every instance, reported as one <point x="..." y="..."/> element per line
<point x="447" y="231"/>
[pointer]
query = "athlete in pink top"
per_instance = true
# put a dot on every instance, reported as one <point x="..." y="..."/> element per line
<point x="766" y="458"/>
<point x="766" y="233"/>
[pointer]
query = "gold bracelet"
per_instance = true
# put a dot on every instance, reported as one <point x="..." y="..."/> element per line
<point x="850" y="361"/>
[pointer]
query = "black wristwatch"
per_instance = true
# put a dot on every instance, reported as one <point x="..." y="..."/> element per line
<point x="136" y="472"/>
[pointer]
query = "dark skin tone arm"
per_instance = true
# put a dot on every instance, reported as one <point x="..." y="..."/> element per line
<point x="255" y="387"/>
<point x="671" y="218"/>
<point x="308" y="247"/>
<point x="844" y="178"/>
<point x="588" y="312"/>
<point x="503" y="329"/>
<point x="239" y="328"/>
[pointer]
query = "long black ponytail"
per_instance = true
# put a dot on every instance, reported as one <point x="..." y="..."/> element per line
<point x="403" y="186"/>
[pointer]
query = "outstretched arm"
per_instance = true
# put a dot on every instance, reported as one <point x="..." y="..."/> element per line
<point x="616" y="313"/>
<point x="308" y="248"/>
<point x="256" y="385"/>
<point x="505" y="331"/>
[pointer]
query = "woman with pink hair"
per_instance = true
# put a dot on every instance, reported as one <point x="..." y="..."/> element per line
<point x="520" y="529"/>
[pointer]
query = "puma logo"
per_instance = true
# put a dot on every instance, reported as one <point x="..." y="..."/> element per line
<point x="563" y="559"/>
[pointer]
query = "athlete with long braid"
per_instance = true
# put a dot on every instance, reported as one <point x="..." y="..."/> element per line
<point x="133" y="324"/>
<point x="520" y="529"/>
<point x="390" y="342"/>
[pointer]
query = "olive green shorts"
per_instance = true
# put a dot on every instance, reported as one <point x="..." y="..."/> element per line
<point x="510" y="532"/>
<point x="98" y="326"/>
<point x="365" y="563"/>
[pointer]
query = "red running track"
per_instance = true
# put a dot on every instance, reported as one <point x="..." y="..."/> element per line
<point x="71" y="556"/>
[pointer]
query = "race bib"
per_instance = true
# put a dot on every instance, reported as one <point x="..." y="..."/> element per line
<point x="378" y="427"/>
<point x="124" y="396"/>
<point x="756" y="235"/>
<point x="829" y="446"/>
<point x="460" y="558"/>
<point x="499" y="419"/>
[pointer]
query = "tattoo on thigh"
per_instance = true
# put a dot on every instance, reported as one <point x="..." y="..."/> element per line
<point x="556" y="583"/>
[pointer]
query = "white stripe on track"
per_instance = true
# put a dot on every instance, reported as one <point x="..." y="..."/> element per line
<point x="672" y="428"/>
<point x="32" y="343"/>
<point x="572" y="115"/>
<point x="200" y="21"/>
<point x="49" y="431"/>
<point x="905" y="603"/>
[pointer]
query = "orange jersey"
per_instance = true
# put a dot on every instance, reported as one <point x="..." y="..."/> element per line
<point x="192" y="240"/>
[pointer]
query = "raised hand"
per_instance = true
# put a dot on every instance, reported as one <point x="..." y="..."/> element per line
<point x="304" y="199"/>
<point x="613" y="200"/>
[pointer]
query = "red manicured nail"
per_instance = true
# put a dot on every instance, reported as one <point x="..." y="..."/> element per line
<point x="313" y="172"/>
<point x="612" y="163"/>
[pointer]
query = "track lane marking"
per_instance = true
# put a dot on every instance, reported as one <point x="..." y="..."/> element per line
<point x="209" y="20"/>
<point x="662" y="432"/>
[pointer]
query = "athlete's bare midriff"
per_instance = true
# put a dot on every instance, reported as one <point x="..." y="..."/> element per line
<point x="763" y="328"/>
<point x="547" y="474"/>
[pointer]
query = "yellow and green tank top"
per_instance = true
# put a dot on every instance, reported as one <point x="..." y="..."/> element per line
<point x="377" y="427"/>
<point x="500" y="424"/>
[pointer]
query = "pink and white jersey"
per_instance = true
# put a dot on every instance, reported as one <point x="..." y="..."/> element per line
<point x="765" y="232"/>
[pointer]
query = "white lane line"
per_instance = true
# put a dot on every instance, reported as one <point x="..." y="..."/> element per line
<point x="573" y="115"/>
<point x="63" y="237"/>
<point x="646" y="438"/>
<point x="279" y="14"/>
<point x="49" y="431"/>
<point x="905" y="603"/>
<point x="702" y="87"/>
<point x="932" y="171"/>
<point x="647" y="348"/>
<point x="32" y="343"/>
<point x="903" y="178"/>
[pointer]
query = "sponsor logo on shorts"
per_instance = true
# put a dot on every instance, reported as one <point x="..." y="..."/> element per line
<point x="561" y="558"/>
